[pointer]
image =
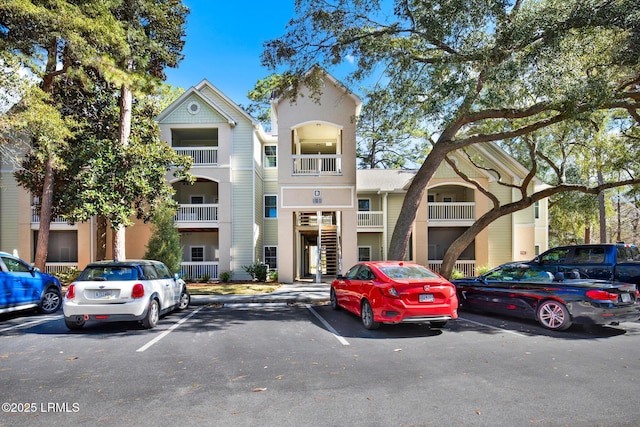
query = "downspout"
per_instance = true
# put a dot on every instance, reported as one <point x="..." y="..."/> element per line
<point x="385" y="226"/>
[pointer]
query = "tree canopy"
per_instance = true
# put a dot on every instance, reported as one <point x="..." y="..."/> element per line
<point x="472" y="71"/>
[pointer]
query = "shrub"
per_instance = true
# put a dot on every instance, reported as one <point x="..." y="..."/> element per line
<point x="67" y="276"/>
<point x="273" y="275"/>
<point x="205" y="278"/>
<point x="257" y="271"/>
<point x="225" y="276"/>
<point x="164" y="244"/>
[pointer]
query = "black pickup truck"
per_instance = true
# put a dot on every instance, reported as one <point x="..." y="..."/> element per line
<point x="615" y="261"/>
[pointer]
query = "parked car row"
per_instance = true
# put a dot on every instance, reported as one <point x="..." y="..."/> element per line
<point x="554" y="289"/>
<point x="396" y="292"/>
<point x="106" y="291"/>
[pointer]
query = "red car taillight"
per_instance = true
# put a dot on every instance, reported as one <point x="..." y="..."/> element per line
<point x="71" y="291"/>
<point x="389" y="291"/>
<point x="137" y="291"/>
<point x="600" y="295"/>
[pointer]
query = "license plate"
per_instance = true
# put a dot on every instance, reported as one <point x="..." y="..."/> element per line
<point x="625" y="297"/>
<point x="103" y="294"/>
<point x="425" y="298"/>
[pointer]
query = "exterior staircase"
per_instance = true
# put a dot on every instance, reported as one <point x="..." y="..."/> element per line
<point x="329" y="257"/>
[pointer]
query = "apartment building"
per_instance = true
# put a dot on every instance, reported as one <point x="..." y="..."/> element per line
<point x="293" y="198"/>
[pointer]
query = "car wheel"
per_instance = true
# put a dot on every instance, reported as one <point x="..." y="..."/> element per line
<point x="51" y="301"/>
<point x="438" y="324"/>
<point x="185" y="299"/>
<point x="554" y="315"/>
<point x="367" y="316"/>
<point x="333" y="300"/>
<point x="74" y="323"/>
<point x="153" y="314"/>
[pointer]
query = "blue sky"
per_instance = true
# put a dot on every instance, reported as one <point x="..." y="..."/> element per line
<point x="224" y="42"/>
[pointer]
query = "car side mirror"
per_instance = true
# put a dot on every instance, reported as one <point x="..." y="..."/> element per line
<point x="339" y="277"/>
<point x="558" y="276"/>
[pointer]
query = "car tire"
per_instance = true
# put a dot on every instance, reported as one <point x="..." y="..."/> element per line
<point x="366" y="313"/>
<point x="553" y="315"/>
<point x="153" y="314"/>
<point x="51" y="301"/>
<point x="184" y="301"/>
<point x="333" y="300"/>
<point x="74" y="323"/>
<point x="438" y="324"/>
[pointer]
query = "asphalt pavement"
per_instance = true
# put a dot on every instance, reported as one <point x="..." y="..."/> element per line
<point x="288" y="293"/>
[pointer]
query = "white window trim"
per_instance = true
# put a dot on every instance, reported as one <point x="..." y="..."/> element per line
<point x="364" y="198"/>
<point x="264" y="205"/>
<point x="364" y="247"/>
<point x="204" y="254"/>
<point x="266" y="164"/>
<point x="264" y="255"/>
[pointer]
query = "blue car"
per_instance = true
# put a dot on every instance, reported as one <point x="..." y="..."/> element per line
<point x="23" y="287"/>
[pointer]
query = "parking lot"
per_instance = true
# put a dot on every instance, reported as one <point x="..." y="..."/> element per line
<point x="292" y="365"/>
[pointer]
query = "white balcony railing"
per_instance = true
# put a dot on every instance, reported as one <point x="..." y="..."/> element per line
<point x="448" y="211"/>
<point x="59" y="267"/>
<point x="371" y="219"/>
<point x="467" y="268"/>
<point x="197" y="213"/>
<point x="197" y="270"/>
<point x="35" y="217"/>
<point x="202" y="156"/>
<point x="317" y="164"/>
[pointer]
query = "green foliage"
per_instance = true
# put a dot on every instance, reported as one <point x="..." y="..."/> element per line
<point x="67" y="276"/>
<point x="225" y="276"/>
<point x="205" y="278"/>
<point x="164" y="244"/>
<point x="257" y="271"/>
<point x="472" y="71"/>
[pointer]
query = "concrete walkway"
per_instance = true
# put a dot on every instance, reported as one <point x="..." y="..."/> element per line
<point x="298" y="292"/>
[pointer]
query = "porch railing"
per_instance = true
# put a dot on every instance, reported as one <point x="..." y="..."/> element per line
<point x="197" y="213"/>
<point x="317" y="164"/>
<point x="370" y="219"/>
<point x="59" y="267"/>
<point x="467" y="268"/>
<point x="35" y="217"/>
<point x="201" y="155"/>
<point x="192" y="270"/>
<point x="447" y="211"/>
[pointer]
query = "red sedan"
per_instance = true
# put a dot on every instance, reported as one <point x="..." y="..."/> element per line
<point x="395" y="292"/>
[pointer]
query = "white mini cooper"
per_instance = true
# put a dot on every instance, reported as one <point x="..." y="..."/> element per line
<point x="110" y="291"/>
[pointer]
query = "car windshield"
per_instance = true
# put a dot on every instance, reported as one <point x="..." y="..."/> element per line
<point x="408" y="272"/>
<point x="519" y="273"/>
<point x="109" y="273"/>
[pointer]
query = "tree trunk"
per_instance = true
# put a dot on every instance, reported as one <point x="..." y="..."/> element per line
<point x="42" y="245"/>
<point x="601" y="209"/>
<point x="587" y="234"/>
<point x="126" y="100"/>
<point x="101" y="238"/>
<point x="402" y="231"/>
<point x="46" y="199"/>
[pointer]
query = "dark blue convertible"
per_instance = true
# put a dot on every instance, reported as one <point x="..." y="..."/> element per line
<point x="555" y="300"/>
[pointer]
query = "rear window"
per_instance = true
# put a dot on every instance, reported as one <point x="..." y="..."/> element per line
<point x="588" y="256"/>
<point x="408" y="272"/>
<point x="109" y="273"/>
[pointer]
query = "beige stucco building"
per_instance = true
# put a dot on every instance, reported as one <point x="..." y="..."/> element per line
<point x="292" y="198"/>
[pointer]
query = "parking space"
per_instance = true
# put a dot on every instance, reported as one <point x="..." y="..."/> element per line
<point x="292" y="365"/>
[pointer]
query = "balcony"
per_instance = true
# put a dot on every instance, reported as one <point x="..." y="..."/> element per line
<point x="317" y="164"/>
<point x="57" y="223"/>
<point x="370" y="220"/>
<point x="467" y="268"/>
<point x="197" y="215"/>
<point x="193" y="270"/>
<point x="452" y="213"/>
<point x="202" y="156"/>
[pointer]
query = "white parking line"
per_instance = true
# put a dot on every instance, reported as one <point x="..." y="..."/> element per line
<point x="328" y="326"/>
<point x="33" y="322"/>
<point x="491" y="327"/>
<point x="168" y="331"/>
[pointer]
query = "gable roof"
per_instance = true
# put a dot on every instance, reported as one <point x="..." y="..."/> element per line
<point x="198" y="90"/>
